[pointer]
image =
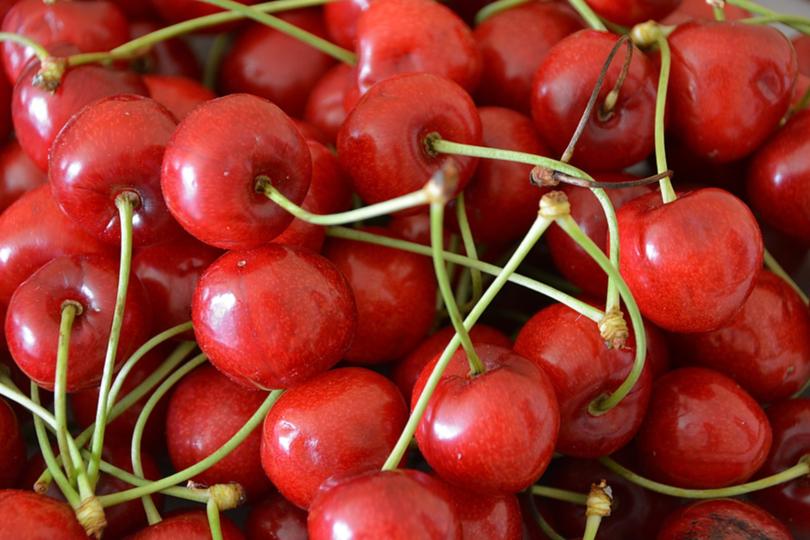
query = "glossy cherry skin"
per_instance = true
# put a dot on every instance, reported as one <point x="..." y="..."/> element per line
<point x="274" y="316"/>
<point x="513" y="43"/>
<point x="188" y="526"/>
<point x="39" y="115"/>
<point x="111" y="147"/>
<point x="562" y="86"/>
<point x="178" y="94"/>
<point x="729" y="519"/>
<point x="581" y="368"/>
<point x="398" y="505"/>
<point x="18" y="174"/>
<point x="699" y="10"/>
<point x="325" y="105"/>
<point x="708" y="58"/>
<point x="206" y="409"/>
<point x="275" y="518"/>
<point x="631" y="12"/>
<point x="90" y="26"/>
<point x="175" y="11"/>
<point x="341" y="20"/>
<point x="702" y="431"/>
<point x="24" y="514"/>
<point x="209" y="178"/>
<point x="690" y="264"/>
<point x="395" y="293"/>
<point x="491" y="433"/>
<point x="12" y="447"/>
<point x="802" y="46"/>
<point x="382" y="142"/>
<point x="172" y="57"/>
<point x="35" y="310"/>
<point x="495" y="517"/>
<point x="341" y="423"/>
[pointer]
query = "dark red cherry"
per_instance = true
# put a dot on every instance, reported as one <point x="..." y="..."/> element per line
<point x="188" y="526"/>
<point x="691" y="263"/>
<point x="274" y="316"/>
<point x="699" y="10"/>
<point x="174" y="11"/>
<point x="709" y="58"/>
<point x="562" y="86"/>
<point x="12" y="447"/>
<point x="136" y="10"/>
<point x="18" y="174"/>
<point x="6" y="90"/>
<point x="802" y="45"/>
<point x="382" y="142"/>
<point x="494" y="432"/>
<point x="581" y="368"/>
<point x="206" y="409"/>
<point x="702" y="431"/>
<point x="513" y="43"/>
<point x="178" y="94"/>
<point x="341" y="18"/>
<point x="398" y="505"/>
<point x="325" y="105"/>
<point x="631" y="12"/>
<point x="209" y="177"/>
<point x="90" y="26"/>
<point x="728" y="519"/>
<point x="172" y="57"/>
<point x="395" y="293"/>
<point x="495" y="517"/>
<point x="24" y="514"/>
<point x="275" y="518"/>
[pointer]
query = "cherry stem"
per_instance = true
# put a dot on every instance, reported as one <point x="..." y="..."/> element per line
<point x="39" y="51"/>
<point x="599" y="502"/>
<point x="469" y="246"/>
<point x="802" y="24"/>
<point x="802" y="468"/>
<point x="560" y="495"/>
<point x="547" y="178"/>
<point x="69" y="311"/>
<point x="214" y="59"/>
<point x="541" y="521"/>
<point x="535" y="232"/>
<point x="667" y="192"/>
<point x="776" y="268"/>
<point x="590" y="17"/>
<point x="718" y="11"/>
<point x="212" y="510"/>
<point x="496" y="7"/>
<point x="753" y="7"/>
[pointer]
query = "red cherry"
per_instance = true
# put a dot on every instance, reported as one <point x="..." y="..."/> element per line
<point x="382" y="142"/>
<point x="273" y="317"/>
<point x="415" y="36"/>
<point x="569" y="349"/>
<point x="275" y="518"/>
<point x="414" y="228"/>
<point x="174" y="11"/>
<point x="395" y="293"/>
<point x="136" y="9"/>
<point x="494" y="432"/>
<point x="691" y="263"/>
<point x="209" y="178"/>
<point x="699" y="10"/>
<point x="802" y="45"/>
<point x="205" y="411"/>
<point x="396" y="505"/>
<point x="12" y="447"/>
<point x="178" y="94"/>
<point x="6" y="89"/>
<point x="18" y="174"/>
<point x="702" y="431"/>
<point x="562" y="86"/>
<point x="172" y="57"/>
<point x="189" y="525"/>
<point x="340" y="423"/>
<point x="631" y="12"/>
<point x="494" y="517"/>
<point x="341" y="18"/>
<point x="708" y="59"/>
<point x="722" y="518"/>
<point x="325" y="105"/>
<point x="513" y="43"/>
<point x="24" y="514"/>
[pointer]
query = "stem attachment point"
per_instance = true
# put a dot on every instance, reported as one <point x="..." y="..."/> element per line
<point x="90" y="515"/>
<point x="600" y="499"/>
<point x="554" y="204"/>
<point x="613" y="329"/>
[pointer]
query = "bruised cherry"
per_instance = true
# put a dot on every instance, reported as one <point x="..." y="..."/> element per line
<point x="25" y="514"/>
<point x="178" y="94"/>
<point x="723" y="518"/>
<point x="275" y="518"/>
<point x="188" y="526"/>
<point x="18" y="174"/>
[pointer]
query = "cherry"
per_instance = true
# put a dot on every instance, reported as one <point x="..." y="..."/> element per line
<point x="702" y="431"/>
<point x="495" y="517"/>
<point x="209" y="178"/>
<point x="699" y="10"/>
<point x="382" y="143"/>
<point x="172" y="57"/>
<point x="397" y="505"/>
<point x="12" y="447"/>
<point x="509" y="410"/>
<point x="581" y="368"/>
<point x="802" y="45"/>
<point x="341" y="18"/>
<point x="205" y="411"/>
<point x="178" y="94"/>
<point x="189" y="525"/>
<point x="414" y="228"/>
<point x="174" y="11"/>
<point x="563" y="85"/>
<point x="513" y="43"/>
<point x="340" y="423"/>
<point x="18" y="174"/>
<point x="325" y="105"/>
<point x="24" y="514"/>
<point x="135" y="9"/>
<point x="275" y="518"/>
<point x="723" y="518"/>
<point x="691" y="263"/>
<point x="631" y="12"/>
<point x="395" y="293"/>
<point x="274" y="316"/>
<point x="34" y="314"/>
<point x="6" y="90"/>
<point x="708" y="59"/>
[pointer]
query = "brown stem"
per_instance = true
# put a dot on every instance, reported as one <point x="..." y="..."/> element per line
<point x="545" y="177"/>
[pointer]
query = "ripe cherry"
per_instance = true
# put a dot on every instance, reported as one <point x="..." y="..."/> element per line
<point x="325" y="105"/>
<point x="495" y="517"/>
<point x="18" y="174"/>
<point x="341" y="20"/>
<point x="631" y="12"/>
<point x="174" y="11"/>
<point x="6" y="89"/>
<point x="722" y="518"/>
<point x="802" y="46"/>
<point x="172" y="57"/>
<point x="188" y="526"/>
<point x="24" y="514"/>
<point x="275" y="518"/>
<point x="178" y="94"/>
<point x="699" y="10"/>
<point x="12" y="447"/>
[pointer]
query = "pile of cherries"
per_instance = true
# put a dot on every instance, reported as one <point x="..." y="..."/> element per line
<point x="271" y="299"/>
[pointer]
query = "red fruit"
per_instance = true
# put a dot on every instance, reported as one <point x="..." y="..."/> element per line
<point x="325" y="109"/>
<point x="273" y="317"/>
<point x="690" y="264"/>
<point x="723" y="518"/>
<point x="562" y="86"/>
<point x="802" y="45"/>
<point x="135" y="9"/>
<point x="396" y="505"/>
<point x="340" y="423"/>
<point x="172" y="57"/>
<point x="395" y="293"/>
<point x="18" y="174"/>
<point x="205" y="411"/>
<point x="495" y="517"/>
<point x="209" y="177"/>
<point x="6" y="89"/>
<point x="12" y="447"/>
<point x="581" y="368"/>
<point x="275" y="518"/>
<point x="415" y="36"/>
<point x="631" y="12"/>
<point x="491" y="433"/>
<point x="180" y="95"/>
<point x="188" y="526"/>
<point x="699" y="10"/>
<point x="175" y="11"/>
<point x="341" y="18"/>
<point x="702" y="431"/>
<point x="382" y="142"/>
<point x="513" y="43"/>
<point x="24" y="514"/>
<point x="708" y="59"/>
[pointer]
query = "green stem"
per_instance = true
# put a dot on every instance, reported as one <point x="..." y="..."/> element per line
<point x="667" y="193"/>
<point x="496" y="7"/>
<point x="776" y="268"/>
<point x="39" y="51"/>
<point x="212" y="510"/>
<point x="214" y="59"/>
<point x="795" y="21"/>
<point x="469" y="245"/>
<point x="560" y="495"/>
<point x="69" y="312"/>
<point x="585" y="11"/>
<point x="591" y="527"/>
<point x="719" y="13"/>
<point x="753" y="7"/>
<point x="187" y="494"/>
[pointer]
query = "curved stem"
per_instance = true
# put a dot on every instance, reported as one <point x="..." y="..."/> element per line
<point x="214" y="59"/>
<point x="541" y="521"/>
<point x="496" y="7"/>
<point x="774" y="266"/>
<point x="178" y="492"/>
<point x="585" y="11"/>
<point x="560" y="495"/>
<point x="69" y="312"/>
<point x="753" y="7"/>
<point x="667" y="193"/>
<point x="212" y="510"/>
<point x="469" y="245"/>
<point x="39" y="51"/>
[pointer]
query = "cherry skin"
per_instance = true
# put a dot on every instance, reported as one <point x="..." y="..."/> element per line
<point x="18" y="174"/>
<point x="708" y="58"/>
<point x="723" y="518"/>
<point x="699" y="10"/>
<point x="35" y="310"/>
<point x="341" y="20"/>
<point x="188" y="526"/>
<point x="494" y="432"/>
<point x="340" y="423"/>
<point x="112" y="147"/>
<point x="12" y="447"/>
<point x="180" y="95"/>
<point x="495" y="517"/>
<point x="172" y="57"/>
<point x="802" y="46"/>
<point x="691" y="263"/>
<point x="325" y="105"/>
<point x="702" y="431"/>
<point x="136" y="10"/>
<point x="632" y="12"/>
<point x="275" y="518"/>
<point x="274" y="316"/>
<point x="6" y="90"/>
<point x="174" y="11"/>
<point x="373" y="505"/>
<point x="382" y="142"/>
<point x="209" y="178"/>
<point x="569" y="349"/>
<point x="513" y="43"/>
<point x="24" y="514"/>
